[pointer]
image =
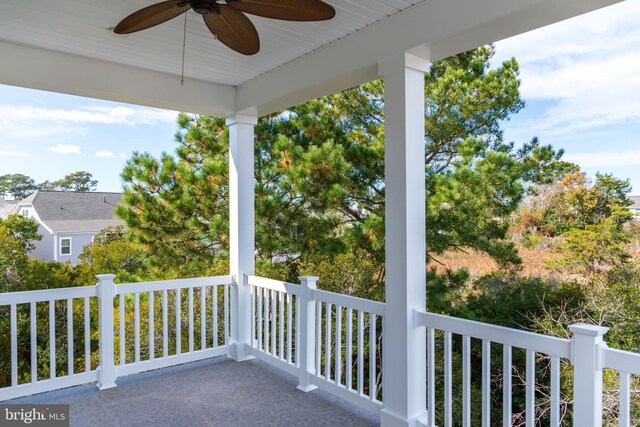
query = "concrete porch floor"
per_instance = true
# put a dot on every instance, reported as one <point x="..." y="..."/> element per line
<point x="214" y="392"/>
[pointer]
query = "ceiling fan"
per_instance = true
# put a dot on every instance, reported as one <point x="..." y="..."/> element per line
<point x="226" y="19"/>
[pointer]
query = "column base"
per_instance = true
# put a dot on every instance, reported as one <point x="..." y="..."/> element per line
<point x="238" y="352"/>
<point x="306" y="388"/>
<point x="106" y="386"/>
<point x="388" y="419"/>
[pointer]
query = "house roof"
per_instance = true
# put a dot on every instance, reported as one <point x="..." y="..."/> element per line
<point x="70" y="211"/>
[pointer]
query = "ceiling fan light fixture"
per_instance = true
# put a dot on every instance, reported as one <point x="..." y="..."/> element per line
<point x="204" y="7"/>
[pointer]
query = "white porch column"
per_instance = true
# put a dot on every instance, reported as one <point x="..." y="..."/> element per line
<point x="404" y="346"/>
<point x="241" y="229"/>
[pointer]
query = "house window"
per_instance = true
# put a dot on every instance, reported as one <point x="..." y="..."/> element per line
<point x="65" y="246"/>
<point x="25" y="213"/>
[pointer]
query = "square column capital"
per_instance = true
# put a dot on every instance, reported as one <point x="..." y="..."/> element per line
<point x="242" y="119"/>
<point x="400" y="62"/>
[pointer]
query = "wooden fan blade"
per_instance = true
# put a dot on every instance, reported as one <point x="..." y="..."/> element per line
<point x="288" y="10"/>
<point x="234" y="29"/>
<point x="151" y="16"/>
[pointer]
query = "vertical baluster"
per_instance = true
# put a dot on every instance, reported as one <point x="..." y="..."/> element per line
<point x="260" y="314"/>
<point x="318" y="336"/>
<point x="486" y="383"/>
<point x="360" y="352"/>
<point x="273" y="323"/>
<point x="431" y="376"/>
<point x="34" y="343"/>
<point x="52" y="339"/>
<point x="296" y="333"/>
<point x="466" y="381"/>
<point x="87" y="335"/>
<point x="190" y="294"/>
<point x="289" y="332"/>
<point x="506" y="386"/>
<point x="178" y="322"/>
<point x="136" y="323"/>
<point x="555" y="391"/>
<point x="70" y="358"/>
<point x="327" y="346"/>
<point x="254" y="340"/>
<point x="203" y="318"/>
<point x="152" y="339"/>
<point x="349" y="351"/>
<point x="338" y="365"/>
<point x="530" y="394"/>
<point x="226" y="315"/>
<point x="625" y="400"/>
<point x="121" y="336"/>
<point x="448" y="392"/>
<point x="265" y="329"/>
<point x="372" y="356"/>
<point x="165" y="324"/>
<point x="14" y="345"/>
<point x="214" y="294"/>
<point x="281" y="320"/>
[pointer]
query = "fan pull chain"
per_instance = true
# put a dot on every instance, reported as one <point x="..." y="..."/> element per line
<point x="184" y="46"/>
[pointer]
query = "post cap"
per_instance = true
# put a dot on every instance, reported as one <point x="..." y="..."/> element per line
<point x="105" y="276"/>
<point x="308" y="278"/>
<point x="588" y="330"/>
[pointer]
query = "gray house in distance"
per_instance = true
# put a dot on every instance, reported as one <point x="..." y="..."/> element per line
<point x="635" y="207"/>
<point x="68" y="220"/>
<point x="6" y="207"/>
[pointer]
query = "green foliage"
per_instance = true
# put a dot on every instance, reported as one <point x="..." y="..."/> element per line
<point x="111" y="253"/>
<point x="17" y="234"/>
<point x="320" y="174"/>
<point x="596" y="248"/>
<point x="77" y="181"/>
<point x="17" y="186"/>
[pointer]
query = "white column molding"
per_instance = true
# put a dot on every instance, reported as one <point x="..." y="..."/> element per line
<point x="404" y="347"/>
<point x="241" y="229"/>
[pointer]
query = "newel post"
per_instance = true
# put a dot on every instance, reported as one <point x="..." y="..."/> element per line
<point x="307" y="307"/>
<point x="588" y="362"/>
<point x="106" y="293"/>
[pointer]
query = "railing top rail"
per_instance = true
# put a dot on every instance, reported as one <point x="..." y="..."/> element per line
<point x="623" y="361"/>
<point x="275" y="285"/>
<point x="551" y="346"/>
<point x="370" y="306"/>
<point x="162" y="285"/>
<point x="47" y="295"/>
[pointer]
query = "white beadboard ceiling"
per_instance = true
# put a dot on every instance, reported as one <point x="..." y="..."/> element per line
<point x="66" y="46"/>
<point x="82" y="27"/>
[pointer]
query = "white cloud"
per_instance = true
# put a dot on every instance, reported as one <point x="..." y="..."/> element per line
<point x="605" y="159"/>
<point x="586" y="67"/>
<point x="25" y="121"/>
<point x="65" y="149"/>
<point x="8" y="153"/>
<point x="105" y="154"/>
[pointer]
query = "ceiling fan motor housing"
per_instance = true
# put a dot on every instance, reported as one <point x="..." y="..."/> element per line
<point x="204" y="7"/>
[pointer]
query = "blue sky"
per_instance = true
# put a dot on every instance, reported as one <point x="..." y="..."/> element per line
<point x="580" y="80"/>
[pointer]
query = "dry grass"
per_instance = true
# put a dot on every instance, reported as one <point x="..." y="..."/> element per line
<point x="534" y="262"/>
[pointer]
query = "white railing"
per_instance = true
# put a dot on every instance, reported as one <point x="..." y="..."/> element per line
<point x="147" y="303"/>
<point x="328" y="340"/>
<point x="626" y="363"/>
<point x="57" y="306"/>
<point x="207" y="312"/>
<point x="587" y="352"/>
